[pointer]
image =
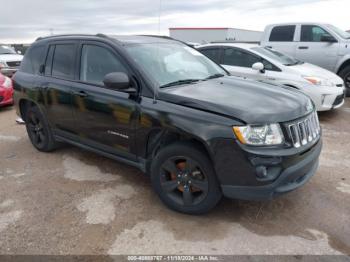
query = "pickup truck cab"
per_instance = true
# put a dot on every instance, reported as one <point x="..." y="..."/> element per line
<point x="320" y="44"/>
<point x="163" y="107"/>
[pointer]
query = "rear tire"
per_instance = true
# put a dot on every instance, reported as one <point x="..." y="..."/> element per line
<point x="185" y="180"/>
<point x="345" y="75"/>
<point x="39" y="131"/>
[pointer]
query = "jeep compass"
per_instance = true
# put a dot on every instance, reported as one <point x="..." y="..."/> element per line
<point x="163" y="107"/>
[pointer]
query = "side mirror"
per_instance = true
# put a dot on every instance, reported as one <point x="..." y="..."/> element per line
<point x="19" y="52"/>
<point x="328" y="38"/>
<point x="259" y="67"/>
<point x="117" y="81"/>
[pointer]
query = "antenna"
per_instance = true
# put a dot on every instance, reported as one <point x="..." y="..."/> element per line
<point x="159" y="16"/>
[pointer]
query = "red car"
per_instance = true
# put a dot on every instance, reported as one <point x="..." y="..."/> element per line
<point x="6" y="91"/>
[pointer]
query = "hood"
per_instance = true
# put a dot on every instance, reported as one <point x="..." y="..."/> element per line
<point x="250" y="101"/>
<point x="307" y="69"/>
<point x="11" y="57"/>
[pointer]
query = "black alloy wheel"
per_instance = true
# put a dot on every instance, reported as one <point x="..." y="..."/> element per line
<point x="184" y="178"/>
<point x="36" y="130"/>
<point x="39" y="131"/>
<point x="183" y="181"/>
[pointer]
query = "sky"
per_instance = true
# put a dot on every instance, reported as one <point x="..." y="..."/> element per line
<point x="22" y="21"/>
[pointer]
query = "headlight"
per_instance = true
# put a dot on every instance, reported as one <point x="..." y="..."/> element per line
<point x="319" y="81"/>
<point x="7" y="83"/>
<point x="313" y="80"/>
<point x="2" y="64"/>
<point x="261" y="135"/>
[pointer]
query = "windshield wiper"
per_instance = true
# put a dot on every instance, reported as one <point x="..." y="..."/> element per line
<point x="180" y="82"/>
<point x="215" y="76"/>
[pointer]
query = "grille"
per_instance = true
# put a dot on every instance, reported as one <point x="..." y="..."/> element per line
<point x="304" y="131"/>
<point x="340" y="85"/>
<point x="14" y="63"/>
<point x="339" y="100"/>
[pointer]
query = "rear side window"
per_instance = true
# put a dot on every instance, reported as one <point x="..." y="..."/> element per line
<point x="33" y="59"/>
<point x="282" y="33"/>
<point x="212" y="53"/>
<point x="96" y="62"/>
<point x="236" y="57"/>
<point x="63" y="61"/>
<point x="311" y="33"/>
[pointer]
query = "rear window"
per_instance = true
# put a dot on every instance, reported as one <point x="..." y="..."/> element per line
<point x="33" y="59"/>
<point x="212" y="53"/>
<point x="282" y="33"/>
<point x="63" y="61"/>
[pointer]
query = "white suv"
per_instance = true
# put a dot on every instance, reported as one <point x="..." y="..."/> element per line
<point x="319" y="44"/>
<point x="325" y="88"/>
<point x="9" y="60"/>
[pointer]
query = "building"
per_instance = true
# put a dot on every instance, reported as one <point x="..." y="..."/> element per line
<point x="204" y="35"/>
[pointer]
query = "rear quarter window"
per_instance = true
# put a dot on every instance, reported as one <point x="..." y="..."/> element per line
<point x="282" y="33"/>
<point x="33" y="59"/>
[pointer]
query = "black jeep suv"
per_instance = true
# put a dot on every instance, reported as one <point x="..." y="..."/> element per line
<point x="163" y="107"/>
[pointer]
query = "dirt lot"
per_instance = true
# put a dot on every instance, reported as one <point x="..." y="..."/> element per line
<point x="75" y="202"/>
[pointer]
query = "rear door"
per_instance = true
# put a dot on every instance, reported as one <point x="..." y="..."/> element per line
<point x="58" y="78"/>
<point x="105" y="118"/>
<point x="312" y="50"/>
<point x="213" y="52"/>
<point x="282" y="38"/>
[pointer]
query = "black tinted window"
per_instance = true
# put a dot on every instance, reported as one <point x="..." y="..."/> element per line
<point x="63" y="61"/>
<point x="310" y="33"/>
<point x="282" y="33"/>
<point x="96" y="62"/>
<point x="212" y="53"/>
<point x="33" y="59"/>
<point x="236" y="57"/>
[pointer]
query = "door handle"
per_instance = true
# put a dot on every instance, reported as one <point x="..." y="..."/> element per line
<point x="81" y="94"/>
<point x="303" y="47"/>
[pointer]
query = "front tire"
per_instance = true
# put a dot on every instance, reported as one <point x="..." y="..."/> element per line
<point x="185" y="180"/>
<point x="39" y="131"/>
<point x="345" y="75"/>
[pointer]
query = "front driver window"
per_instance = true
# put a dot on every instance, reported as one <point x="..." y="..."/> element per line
<point x="235" y="57"/>
<point x="96" y="62"/>
<point x="310" y="33"/>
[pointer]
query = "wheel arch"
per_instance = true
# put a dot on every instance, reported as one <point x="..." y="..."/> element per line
<point x="23" y="105"/>
<point x="160" y="138"/>
<point x="345" y="64"/>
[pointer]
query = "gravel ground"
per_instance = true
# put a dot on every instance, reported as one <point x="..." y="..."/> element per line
<point x="75" y="202"/>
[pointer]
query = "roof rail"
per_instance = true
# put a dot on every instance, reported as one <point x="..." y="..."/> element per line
<point x="53" y="36"/>
<point x="160" y="36"/>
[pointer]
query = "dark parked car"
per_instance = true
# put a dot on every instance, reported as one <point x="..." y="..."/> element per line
<point x="163" y="107"/>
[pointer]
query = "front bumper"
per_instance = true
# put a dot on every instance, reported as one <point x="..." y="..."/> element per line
<point x="6" y="96"/>
<point x="299" y="169"/>
<point x="326" y="97"/>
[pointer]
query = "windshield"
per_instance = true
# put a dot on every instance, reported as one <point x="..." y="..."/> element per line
<point x="339" y="32"/>
<point x="174" y="63"/>
<point x="6" y="50"/>
<point x="277" y="56"/>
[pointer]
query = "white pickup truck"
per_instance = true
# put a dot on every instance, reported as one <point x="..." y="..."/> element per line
<point x="321" y="44"/>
